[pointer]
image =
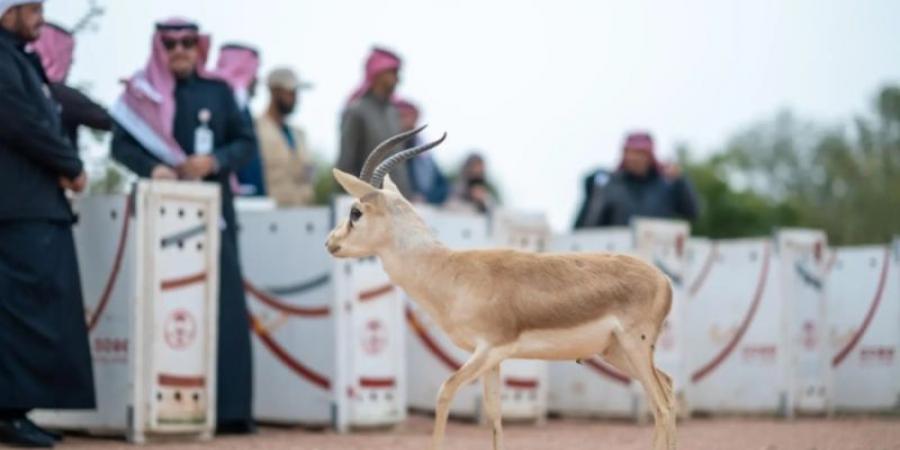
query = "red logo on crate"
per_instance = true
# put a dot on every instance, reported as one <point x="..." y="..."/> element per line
<point x="180" y="329"/>
<point x="110" y="345"/>
<point x="374" y="337"/>
<point x="877" y="354"/>
<point x="759" y="353"/>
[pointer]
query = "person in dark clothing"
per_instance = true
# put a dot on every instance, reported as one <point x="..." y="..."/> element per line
<point x="175" y="121"/>
<point x="78" y="110"/>
<point x="472" y="192"/>
<point x="428" y="183"/>
<point x="238" y="65"/>
<point x="641" y="187"/>
<point x="56" y="47"/>
<point x="45" y="360"/>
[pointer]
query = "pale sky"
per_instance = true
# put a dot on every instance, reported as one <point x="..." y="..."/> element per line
<point x="546" y="89"/>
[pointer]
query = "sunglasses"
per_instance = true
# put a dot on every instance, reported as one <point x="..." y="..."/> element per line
<point x="187" y="43"/>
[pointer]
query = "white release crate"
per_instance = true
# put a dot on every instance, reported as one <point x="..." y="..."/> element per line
<point x="328" y="346"/>
<point x="802" y="268"/>
<point x="520" y="230"/>
<point x="433" y="356"/>
<point x="863" y="291"/>
<point x="593" y="388"/>
<point x="737" y="360"/>
<point x="150" y="284"/>
<point x="287" y="273"/>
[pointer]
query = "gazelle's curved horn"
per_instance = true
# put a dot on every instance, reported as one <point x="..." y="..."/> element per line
<point x="388" y="164"/>
<point x="382" y="151"/>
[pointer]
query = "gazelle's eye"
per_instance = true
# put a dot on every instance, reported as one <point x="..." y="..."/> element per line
<point x="355" y="214"/>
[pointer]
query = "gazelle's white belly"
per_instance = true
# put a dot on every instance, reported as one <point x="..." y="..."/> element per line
<point x="582" y="341"/>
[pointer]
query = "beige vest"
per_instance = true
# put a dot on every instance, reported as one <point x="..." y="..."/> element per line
<point x="288" y="172"/>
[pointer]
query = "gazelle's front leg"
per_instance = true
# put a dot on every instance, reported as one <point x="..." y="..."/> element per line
<point x="484" y="357"/>
<point x="492" y="408"/>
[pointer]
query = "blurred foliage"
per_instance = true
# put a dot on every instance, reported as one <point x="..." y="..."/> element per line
<point x="324" y="185"/>
<point x="844" y="179"/>
<point x="114" y="179"/>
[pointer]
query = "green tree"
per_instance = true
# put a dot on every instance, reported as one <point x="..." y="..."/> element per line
<point x="728" y="212"/>
<point x="844" y="179"/>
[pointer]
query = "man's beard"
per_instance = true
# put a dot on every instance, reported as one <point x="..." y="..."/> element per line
<point x="285" y="109"/>
<point x="23" y="31"/>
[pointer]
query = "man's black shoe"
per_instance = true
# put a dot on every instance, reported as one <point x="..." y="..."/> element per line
<point x="238" y="427"/>
<point x="17" y="433"/>
<point x="51" y="434"/>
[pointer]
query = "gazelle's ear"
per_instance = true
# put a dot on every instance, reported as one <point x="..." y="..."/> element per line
<point x="389" y="184"/>
<point x="354" y="186"/>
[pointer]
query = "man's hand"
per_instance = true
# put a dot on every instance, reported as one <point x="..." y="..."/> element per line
<point x="198" y="167"/>
<point x="480" y="194"/>
<point x="162" y="172"/>
<point x="671" y="171"/>
<point x="75" y="185"/>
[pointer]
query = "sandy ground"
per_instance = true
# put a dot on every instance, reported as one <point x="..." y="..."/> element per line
<point x="697" y="434"/>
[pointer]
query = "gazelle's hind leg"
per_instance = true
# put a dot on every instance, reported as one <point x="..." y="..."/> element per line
<point x="615" y="356"/>
<point x="657" y="385"/>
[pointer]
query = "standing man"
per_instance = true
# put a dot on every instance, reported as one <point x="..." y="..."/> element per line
<point x="175" y="121"/>
<point x="371" y="117"/>
<point x="237" y="66"/>
<point x="641" y="187"/>
<point x="287" y="163"/>
<point x="45" y="361"/>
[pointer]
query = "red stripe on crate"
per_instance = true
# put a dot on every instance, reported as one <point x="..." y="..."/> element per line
<point x="289" y="361"/>
<point x="282" y="306"/>
<point x="429" y="342"/>
<point x="372" y="294"/>
<point x="839" y="358"/>
<point x="709" y="367"/>
<point x="176" y="283"/>
<point x="114" y="271"/>
<point x="707" y="267"/>
<point x="607" y="371"/>
<point x="180" y="381"/>
<point x="382" y="383"/>
<point x="521" y="383"/>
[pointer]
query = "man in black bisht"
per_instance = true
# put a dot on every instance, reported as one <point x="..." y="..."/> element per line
<point x="641" y="187"/>
<point x="45" y="360"/>
<point x="190" y="128"/>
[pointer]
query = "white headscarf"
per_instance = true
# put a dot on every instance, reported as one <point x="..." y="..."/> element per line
<point x="6" y="4"/>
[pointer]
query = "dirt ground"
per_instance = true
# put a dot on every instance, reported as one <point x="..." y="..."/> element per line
<point x="697" y="434"/>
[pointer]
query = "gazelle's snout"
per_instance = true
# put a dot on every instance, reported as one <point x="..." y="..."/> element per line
<point x="331" y="244"/>
<point x="332" y="248"/>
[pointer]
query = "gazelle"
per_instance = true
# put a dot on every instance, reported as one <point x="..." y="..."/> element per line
<point x="500" y="304"/>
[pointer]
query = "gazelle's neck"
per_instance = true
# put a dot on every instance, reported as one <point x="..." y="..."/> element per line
<point x="413" y="261"/>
